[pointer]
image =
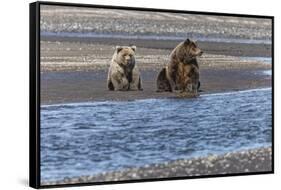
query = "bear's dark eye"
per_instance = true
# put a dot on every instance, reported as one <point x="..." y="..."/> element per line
<point x="194" y="45"/>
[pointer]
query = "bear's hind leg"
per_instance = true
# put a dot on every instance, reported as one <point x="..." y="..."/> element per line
<point x="110" y="85"/>
<point x="163" y="83"/>
<point x="135" y="84"/>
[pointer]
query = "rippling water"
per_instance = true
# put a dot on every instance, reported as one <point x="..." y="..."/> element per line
<point x="89" y="138"/>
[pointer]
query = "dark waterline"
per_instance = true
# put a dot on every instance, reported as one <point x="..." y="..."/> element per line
<point x="90" y="138"/>
<point x="152" y="37"/>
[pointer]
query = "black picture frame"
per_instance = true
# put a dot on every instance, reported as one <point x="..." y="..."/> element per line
<point x="34" y="91"/>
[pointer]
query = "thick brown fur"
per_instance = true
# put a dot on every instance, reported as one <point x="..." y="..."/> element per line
<point x="163" y="83"/>
<point x="182" y="71"/>
<point x="123" y="73"/>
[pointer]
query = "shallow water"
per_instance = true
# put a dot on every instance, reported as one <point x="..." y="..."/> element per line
<point x="92" y="137"/>
<point x="153" y="37"/>
<point x="266" y="60"/>
<point x="267" y="72"/>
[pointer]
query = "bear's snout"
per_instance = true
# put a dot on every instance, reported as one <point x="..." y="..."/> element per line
<point x="129" y="60"/>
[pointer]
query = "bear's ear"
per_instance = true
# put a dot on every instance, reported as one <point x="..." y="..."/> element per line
<point x="187" y="41"/>
<point x="118" y="48"/>
<point x="134" y="48"/>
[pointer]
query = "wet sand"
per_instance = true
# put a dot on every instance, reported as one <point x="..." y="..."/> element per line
<point x="65" y="87"/>
<point x="247" y="161"/>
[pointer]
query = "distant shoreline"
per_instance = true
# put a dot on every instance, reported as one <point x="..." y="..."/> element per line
<point x="213" y="47"/>
<point x="60" y="19"/>
<point x="244" y="161"/>
<point x="92" y="36"/>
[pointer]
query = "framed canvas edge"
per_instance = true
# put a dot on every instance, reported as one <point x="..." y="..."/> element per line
<point x="34" y="93"/>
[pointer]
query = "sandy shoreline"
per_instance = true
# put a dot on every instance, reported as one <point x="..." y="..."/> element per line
<point x="77" y="71"/>
<point x="245" y="161"/>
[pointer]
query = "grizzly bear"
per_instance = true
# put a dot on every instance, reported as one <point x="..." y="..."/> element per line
<point x="123" y="73"/>
<point x="182" y="71"/>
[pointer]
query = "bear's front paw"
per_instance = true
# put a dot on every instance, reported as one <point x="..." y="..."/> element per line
<point x="185" y="94"/>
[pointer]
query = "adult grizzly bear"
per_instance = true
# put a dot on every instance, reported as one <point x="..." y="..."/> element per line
<point x="182" y="71"/>
<point x="123" y="73"/>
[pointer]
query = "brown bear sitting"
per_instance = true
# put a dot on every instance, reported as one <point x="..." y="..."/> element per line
<point x="182" y="72"/>
<point x="123" y="73"/>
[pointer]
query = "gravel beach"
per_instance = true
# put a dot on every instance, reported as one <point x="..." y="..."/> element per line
<point x="120" y="23"/>
<point x="245" y="161"/>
